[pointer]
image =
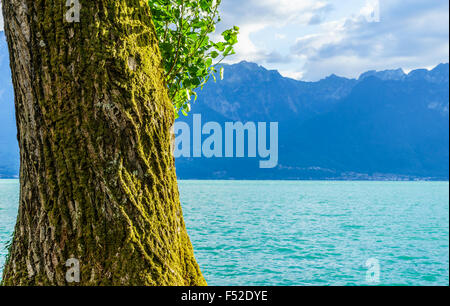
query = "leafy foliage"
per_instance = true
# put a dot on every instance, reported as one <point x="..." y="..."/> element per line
<point x="190" y="55"/>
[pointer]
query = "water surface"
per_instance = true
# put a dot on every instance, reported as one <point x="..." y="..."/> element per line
<point x="306" y="232"/>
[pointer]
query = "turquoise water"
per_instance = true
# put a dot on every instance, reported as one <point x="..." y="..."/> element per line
<point x="9" y="199"/>
<point x="307" y="233"/>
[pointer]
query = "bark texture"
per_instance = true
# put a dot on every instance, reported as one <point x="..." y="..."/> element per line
<point x="97" y="177"/>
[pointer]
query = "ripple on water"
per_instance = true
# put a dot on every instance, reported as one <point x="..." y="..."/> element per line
<point x="306" y="233"/>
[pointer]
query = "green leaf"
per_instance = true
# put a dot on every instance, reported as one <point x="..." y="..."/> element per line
<point x="184" y="29"/>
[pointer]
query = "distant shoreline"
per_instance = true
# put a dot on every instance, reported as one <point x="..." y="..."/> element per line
<point x="295" y="180"/>
<point x="316" y="180"/>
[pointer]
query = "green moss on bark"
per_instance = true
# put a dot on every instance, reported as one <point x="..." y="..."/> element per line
<point x="98" y="179"/>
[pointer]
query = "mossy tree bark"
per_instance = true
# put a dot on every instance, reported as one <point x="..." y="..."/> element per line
<point x="97" y="177"/>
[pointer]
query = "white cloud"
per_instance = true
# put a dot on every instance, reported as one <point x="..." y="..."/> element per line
<point x="263" y="16"/>
<point x="292" y="74"/>
<point x="1" y="17"/>
<point x="245" y="48"/>
<point x="311" y="39"/>
<point x="405" y="37"/>
<point x="371" y="11"/>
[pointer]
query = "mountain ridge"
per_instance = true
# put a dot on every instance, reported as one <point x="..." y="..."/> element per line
<point x="343" y="122"/>
<point x="382" y="125"/>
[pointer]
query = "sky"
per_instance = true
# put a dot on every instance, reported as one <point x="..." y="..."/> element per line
<point x="311" y="39"/>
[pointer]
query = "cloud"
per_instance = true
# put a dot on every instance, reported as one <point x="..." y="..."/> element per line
<point x="408" y="35"/>
<point x="270" y="12"/>
<point x="259" y="16"/>
<point x="320" y="14"/>
<point x="292" y="74"/>
<point x="1" y="17"/>
<point x="311" y="39"/>
<point x="371" y="11"/>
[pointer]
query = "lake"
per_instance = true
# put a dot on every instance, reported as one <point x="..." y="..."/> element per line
<point x="306" y="232"/>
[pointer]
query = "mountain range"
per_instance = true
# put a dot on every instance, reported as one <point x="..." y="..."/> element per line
<point x="383" y="125"/>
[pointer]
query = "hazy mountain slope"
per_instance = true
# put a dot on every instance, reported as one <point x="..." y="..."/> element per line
<point x="250" y="92"/>
<point x="382" y="126"/>
<point x="386" y="124"/>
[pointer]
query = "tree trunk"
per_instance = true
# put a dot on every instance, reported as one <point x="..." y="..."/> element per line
<point x="97" y="177"/>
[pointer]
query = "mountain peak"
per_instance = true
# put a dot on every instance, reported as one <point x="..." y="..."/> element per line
<point x="441" y="67"/>
<point x="333" y="77"/>
<point x="395" y="74"/>
<point x="250" y="65"/>
<point x="439" y="74"/>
